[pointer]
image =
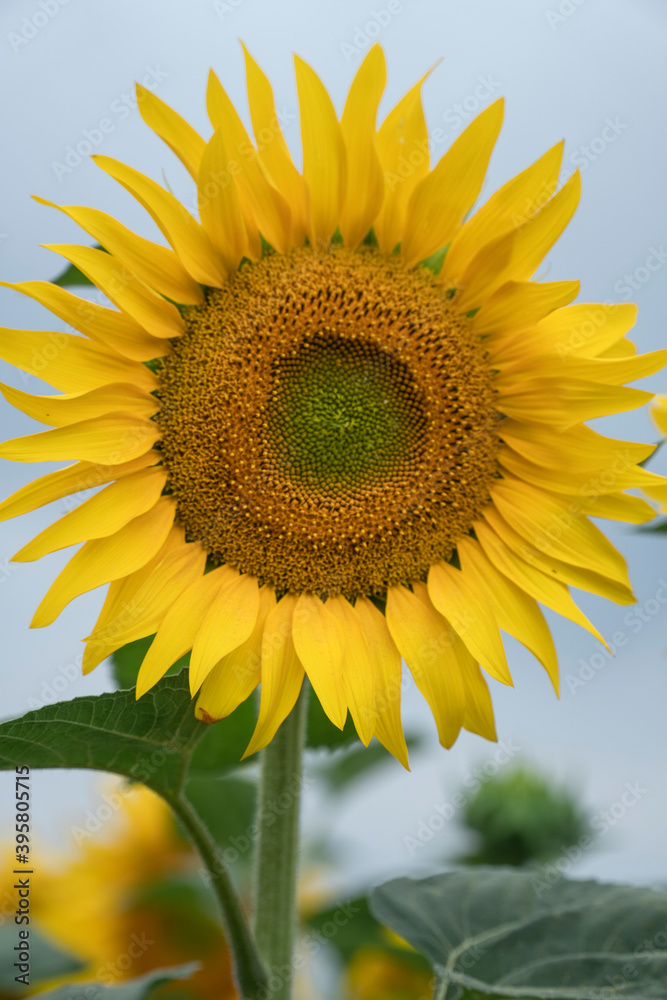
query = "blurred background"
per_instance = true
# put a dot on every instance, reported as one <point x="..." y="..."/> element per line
<point x="589" y="71"/>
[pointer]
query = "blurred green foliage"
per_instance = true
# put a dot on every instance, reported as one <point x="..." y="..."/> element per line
<point x="521" y="817"/>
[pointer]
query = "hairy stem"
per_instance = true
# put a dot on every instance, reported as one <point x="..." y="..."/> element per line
<point x="278" y="846"/>
<point x="249" y="970"/>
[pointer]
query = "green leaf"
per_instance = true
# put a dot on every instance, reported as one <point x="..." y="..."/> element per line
<point x="151" y="740"/>
<point x="72" y="275"/>
<point x="47" y="960"/>
<point x="134" y="989"/>
<point x="505" y="933"/>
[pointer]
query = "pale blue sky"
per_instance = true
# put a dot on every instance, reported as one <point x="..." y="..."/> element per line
<point x="591" y="71"/>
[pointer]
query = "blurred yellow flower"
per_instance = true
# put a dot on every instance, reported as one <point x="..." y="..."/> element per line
<point x="99" y="905"/>
<point x="375" y="974"/>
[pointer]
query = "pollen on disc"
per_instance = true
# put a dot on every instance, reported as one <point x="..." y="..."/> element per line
<point x="328" y="422"/>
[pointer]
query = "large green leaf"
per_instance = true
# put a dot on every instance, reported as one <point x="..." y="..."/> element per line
<point x="134" y="989"/>
<point x="151" y="740"/>
<point x="519" y="934"/>
<point x="47" y="960"/>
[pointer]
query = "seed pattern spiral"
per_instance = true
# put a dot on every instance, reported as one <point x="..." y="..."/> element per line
<point x="328" y="422"/>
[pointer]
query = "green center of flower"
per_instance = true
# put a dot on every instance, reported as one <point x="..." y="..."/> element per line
<point x="344" y="413"/>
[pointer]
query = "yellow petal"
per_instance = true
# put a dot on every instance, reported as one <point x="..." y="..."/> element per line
<point x="179" y="628"/>
<point x="425" y="639"/>
<point x="178" y="134"/>
<point x="113" y="329"/>
<point x="136" y="606"/>
<point x="508" y="209"/>
<point x="441" y="200"/>
<point x="59" y="411"/>
<point x="263" y="207"/>
<point x="110" y="440"/>
<point x="388" y="726"/>
<point x="155" y="265"/>
<point x="542" y="587"/>
<point x="220" y="205"/>
<point x="282" y="674"/>
<point x="183" y="232"/>
<point x="157" y="316"/>
<point x="578" y="448"/>
<point x="622" y="507"/>
<point x="515" y="610"/>
<point x="472" y="618"/>
<point x="359" y="680"/>
<point x="659" y="412"/>
<point x="549" y="523"/>
<point x="319" y="645"/>
<point x="365" y="180"/>
<point x="623" y="348"/>
<point x="324" y="160"/>
<point x="121" y="593"/>
<point x="516" y="256"/>
<point x="272" y="148"/>
<point x="69" y="362"/>
<point x="521" y="304"/>
<point x="235" y="676"/>
<point x="586" y="484"/>
<point x="229" y="622"/>
<point x="402" y="146"/>
<point x="557" y="569"/>
<point x="102" y="515"/>
<point x="562" y="402"/>
<point x="478" y="716"/>
<point x="583" y="330"/>
<point x="77" y="478"/>
<point x="616" y="371"/>
<point x="105" y="559"/>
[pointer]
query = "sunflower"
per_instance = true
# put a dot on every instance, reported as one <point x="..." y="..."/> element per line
<point x="338" y="423"/>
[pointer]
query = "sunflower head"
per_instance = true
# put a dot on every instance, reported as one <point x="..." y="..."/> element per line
<point x="336" y="422"/>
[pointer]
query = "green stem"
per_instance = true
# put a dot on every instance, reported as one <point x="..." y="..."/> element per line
<point x="277" y="849"/>
<point x="249" y="969"/>
<point x="440" y="991"/>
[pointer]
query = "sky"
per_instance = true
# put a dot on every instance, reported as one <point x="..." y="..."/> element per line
<point x="588" y="71"/>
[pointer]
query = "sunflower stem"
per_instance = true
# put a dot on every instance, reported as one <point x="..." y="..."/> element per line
<point x="277" y="849"/>
<point x="250" y="973"/>
<point x="440" y="989"/>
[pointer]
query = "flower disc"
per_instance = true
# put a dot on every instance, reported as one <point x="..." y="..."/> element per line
<point x="327" y="423"/>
